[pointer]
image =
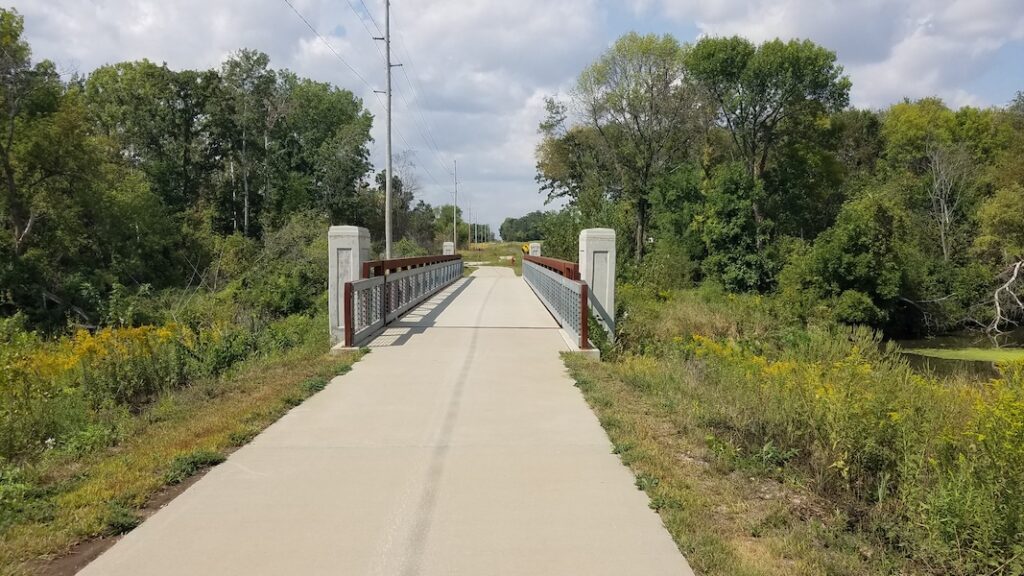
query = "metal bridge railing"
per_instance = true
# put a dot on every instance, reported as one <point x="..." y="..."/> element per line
<point x="557" y="284"/>
<point x="395" y="287"/>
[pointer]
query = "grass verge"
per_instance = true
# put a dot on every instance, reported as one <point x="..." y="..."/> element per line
<point x="65" y="499"/>
<point x="973" y="354"/>
<point x="508" y="254"/>
<point x="726" y="516"/>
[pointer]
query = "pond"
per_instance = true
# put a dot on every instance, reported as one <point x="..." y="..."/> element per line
<point x="970" y="354"/>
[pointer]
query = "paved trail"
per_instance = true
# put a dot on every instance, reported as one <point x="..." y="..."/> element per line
<point x="458" y="446"/>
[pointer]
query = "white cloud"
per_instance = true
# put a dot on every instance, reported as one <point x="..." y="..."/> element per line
<point x="891" y="48"/>
<point x="480" y="68"/>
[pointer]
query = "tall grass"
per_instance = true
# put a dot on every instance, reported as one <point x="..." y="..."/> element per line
<point x="74" y="393"/>
<point x="933" y="468"/>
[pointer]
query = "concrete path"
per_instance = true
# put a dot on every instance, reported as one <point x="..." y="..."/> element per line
<point x="458" y="446"/>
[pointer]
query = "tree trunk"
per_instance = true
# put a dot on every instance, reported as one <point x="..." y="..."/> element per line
<point x="234" y="197"/>
<point x="758" y="173"/>
<point x="245" y="187"/>
<point x="641" y="229"/>
<point x="21" y="218"/>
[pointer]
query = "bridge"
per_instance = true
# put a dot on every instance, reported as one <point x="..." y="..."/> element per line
<point x="458" y="445"/>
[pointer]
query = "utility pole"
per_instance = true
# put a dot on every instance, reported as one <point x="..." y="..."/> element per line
<point x="455" y="207"/>
<point x="387" y="171"/>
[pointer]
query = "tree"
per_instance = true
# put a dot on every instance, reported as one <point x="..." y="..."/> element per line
<point x="248" y="88"/>
<point x="443" y="225"/>
<point x="1002" y="242"/>
<point x="637" y="99"/>
<point x="421" y="226"/>
<point x="951" y="170"/>
<point x="29" y="107"/>
<point x="862" y="267"/>
<point x="156" y="120"/>
<point x="524" y="229"/>
<point x="730" y="232"/>
<point x="909" y="128"/>
<point x="323" y="155"/>
<point x="766" y="93"/>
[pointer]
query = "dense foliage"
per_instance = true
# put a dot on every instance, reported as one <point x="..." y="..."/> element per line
<point x="765" y="228"/>
<point x="524" y="229"/>
<point x="928" y="467"/>
<point x="134" y="177"/>
<point x="743" y="164"/>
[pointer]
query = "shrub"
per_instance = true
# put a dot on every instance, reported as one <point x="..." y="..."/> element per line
<point x="934" y="465"/>
<point x="76" y="393"/>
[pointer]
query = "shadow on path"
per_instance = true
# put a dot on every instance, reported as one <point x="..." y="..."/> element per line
<point x="417" y="320"/>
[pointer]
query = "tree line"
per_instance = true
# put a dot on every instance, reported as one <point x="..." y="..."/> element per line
<point x="744" y="164"/>
<point x="135" y="175"/>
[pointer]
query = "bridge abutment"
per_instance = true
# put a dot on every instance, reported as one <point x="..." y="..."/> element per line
<point x="348" y="247"/>
<point x="597" y="269"/>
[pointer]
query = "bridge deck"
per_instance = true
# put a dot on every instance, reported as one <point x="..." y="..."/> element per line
<point x="458" y="446"/>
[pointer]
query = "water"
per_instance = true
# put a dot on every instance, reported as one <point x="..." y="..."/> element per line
<point x="970" y="369"/>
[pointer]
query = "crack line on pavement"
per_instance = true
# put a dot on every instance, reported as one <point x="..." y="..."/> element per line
<point x="428" y="498"/>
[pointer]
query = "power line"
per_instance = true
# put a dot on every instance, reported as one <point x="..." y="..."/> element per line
<point x="425" y="136"/>
<point x="367" y="28"/>
<point x="361" y="77"/>
<point x="409" y="81"/>
<point x="328" y="44"/>
<point x="370" y="14"/>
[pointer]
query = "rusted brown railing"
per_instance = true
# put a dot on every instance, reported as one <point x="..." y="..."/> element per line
<point x="563" y="268"/>
<point x="381" y="267"/>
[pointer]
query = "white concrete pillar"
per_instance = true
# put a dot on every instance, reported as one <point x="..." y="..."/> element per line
<point x="534" y="248"/>
<point x="348" y="247"/>
<point x="597" y="269"/>
<point x="448" y="249"/>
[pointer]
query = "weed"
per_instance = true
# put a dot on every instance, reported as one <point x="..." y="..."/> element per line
<point x="242" y="436"/>
<point x="185" y="465"/>
<point x="646" y="482"/>
<point x="121" y="518"/>
<point x="313" y="385"/>
<point x="926" y="469"/>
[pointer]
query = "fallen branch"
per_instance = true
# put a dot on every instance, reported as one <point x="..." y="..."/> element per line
<point x="1008" y="294"/>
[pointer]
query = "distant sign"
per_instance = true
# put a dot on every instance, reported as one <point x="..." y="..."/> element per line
<point x="526" y="248"/>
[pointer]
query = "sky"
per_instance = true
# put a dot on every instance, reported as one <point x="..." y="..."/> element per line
<point x="475" y="73"/>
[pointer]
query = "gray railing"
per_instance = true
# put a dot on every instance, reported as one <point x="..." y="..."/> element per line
<point x="564" y="297"/>
<point x="364" y="309"/>
<point x="372" y="303"/>
<point x="408" y="288"/>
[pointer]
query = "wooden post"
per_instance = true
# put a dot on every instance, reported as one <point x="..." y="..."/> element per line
<point x="349" y="321"/>
<point x="584" y="318"/>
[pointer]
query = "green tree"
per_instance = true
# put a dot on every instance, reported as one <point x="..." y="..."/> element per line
<point x="645" y="118"/>
<point x="422" y="226"/>
<point x="730" y="232"/>
<point x="863" y="268"/>
<point x="909" y="129"/>
<point x="443" y="225"/>
<point x="323" y="151"/>
<point x="1001" y="219"/>
<point x="248" y="92"/>
<point x="524" y="229"/>
<point x="767" y="94"/>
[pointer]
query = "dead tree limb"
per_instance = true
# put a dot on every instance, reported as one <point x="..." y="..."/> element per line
<point x="1007" y="299"/>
